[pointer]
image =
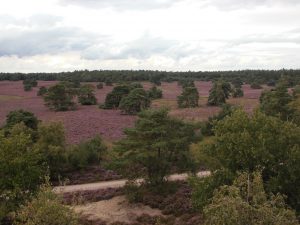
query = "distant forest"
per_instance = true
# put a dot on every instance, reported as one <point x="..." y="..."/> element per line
<point x="246" y="76"/>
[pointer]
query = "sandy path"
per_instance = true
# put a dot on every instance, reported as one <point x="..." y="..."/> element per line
<point x="116" y="183"/>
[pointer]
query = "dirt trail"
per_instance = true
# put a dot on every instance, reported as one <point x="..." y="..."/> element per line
<point x="116" y="183"/>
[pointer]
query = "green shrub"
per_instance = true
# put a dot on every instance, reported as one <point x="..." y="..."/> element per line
<point x="155" y="93"/>
<point x="255" y="85"/>
<point x="219" y="93"/>
<point x="237" y="93"/>
<point x="46" y="209"/>
<point x="42" y="91"/>
<point x="27" y="87"/>
<point x="114" y="98"/>
<point x="99" y="85"/>
<point x="87" y="153"/>
<point x="21" y="116"/>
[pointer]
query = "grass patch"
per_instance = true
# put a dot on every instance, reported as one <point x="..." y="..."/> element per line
<point x="9" y="97"/>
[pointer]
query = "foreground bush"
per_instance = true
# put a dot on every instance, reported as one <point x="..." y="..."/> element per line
<point x="21" y="116"/>
<point x="45" y="209"/>
<point x="87" y="153"/>
<point x="246" y="202"/>
<point x="21" y="169"/>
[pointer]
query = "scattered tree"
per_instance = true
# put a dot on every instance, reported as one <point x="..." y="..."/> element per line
<point x="189" y="98"/>
<point x="219" y="93"/>
<point x="135" y="102"/>
<point x="21" y="116"/>
<point x="114" y="98"/>
<point x="87" y="95"/>
<point x="100" y="85"/>
<point x="60" y="97"/>
<point x="255" y="85"/>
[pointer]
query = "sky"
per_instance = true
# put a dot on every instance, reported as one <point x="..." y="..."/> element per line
<point x="170" y="35"/>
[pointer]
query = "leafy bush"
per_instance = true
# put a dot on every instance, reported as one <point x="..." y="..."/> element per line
<point x="186" y="83"/>
<point x="87" y="153"/>
<point x="42" y="91"/>
<point x="87" y="95"/>
<point x="21" y="169"/>
<point x="51" y="144"/>
<point x="189" y="98"/>
<point x="46" y="209"/>
<point x="27" y="87"/>
<point x="136" y="101"/>
<point x="246" y="202"/>
<point x="60" y="97"/>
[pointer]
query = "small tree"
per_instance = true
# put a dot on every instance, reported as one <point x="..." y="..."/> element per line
<point x="42" y="91"/>
<point x="136" y="101"/>
<point x="45" y="209"/>
<point x="156" y="145"/>
<point x="219" y="93"/>
<point x="27" y="87"/>
<point x="60" y="97"/>
<point x="114" y="98"/>
<point x="100" y="85"/>
<point x="87" y="95"/>
<point x="255" y="85"/>
<point x="186" y="83"/>
<point x="237" y="93"/>
<point x="155" y="93"/>
<point x="189" y="98"/>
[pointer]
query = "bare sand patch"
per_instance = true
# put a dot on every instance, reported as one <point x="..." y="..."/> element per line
<point x="115" y="209"/>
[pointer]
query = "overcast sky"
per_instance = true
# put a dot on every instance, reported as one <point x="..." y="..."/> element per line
<point x="173" y="35"/>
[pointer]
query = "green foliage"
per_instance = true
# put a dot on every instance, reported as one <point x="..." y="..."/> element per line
<point x="108" y="83"/>
<point x="136" y="101"/>
<point x="203" y="188"/>
<point x="219" y="93"/>
<point x="135" y="85"/>
<point x="87" y="95"/>
<point x="184" y="83"/>
<point x="46" y="209"/>
<point x="237" y="82"/>
<point x="245" y="143"/>
<point x="51" y="144"/>
<point x="155" y="93"/>
<point x="42" y="91"/>
<point x="237" y="93"/>
<point x="99" y="85"/>
<point x="189" y="98"/>
<point x="207" y="127"/>
<point x="246" y="202"/>
<point x="157" y="144"/>
<point x="87" y="153"/>
<point x="21" y="168"/>
<point x="276" y="103"/>
<point x="27" y="87"/>
<point x="60" y="97"/>
<point x="114" y="98"/>
<point x="255" y="85"/>
<point x="19" y="116"/>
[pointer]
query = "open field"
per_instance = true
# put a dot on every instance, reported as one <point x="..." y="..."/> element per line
<point x="87" y="121"/>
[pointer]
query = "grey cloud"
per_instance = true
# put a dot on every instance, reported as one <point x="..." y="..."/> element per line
<point x="40" y="34"/>
<point x="122" y="4"/>
<point x="142" y="48"/>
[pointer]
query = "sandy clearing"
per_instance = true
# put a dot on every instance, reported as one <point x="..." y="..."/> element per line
<point x="116" y="183"/>
<point x="114" y="210"/>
